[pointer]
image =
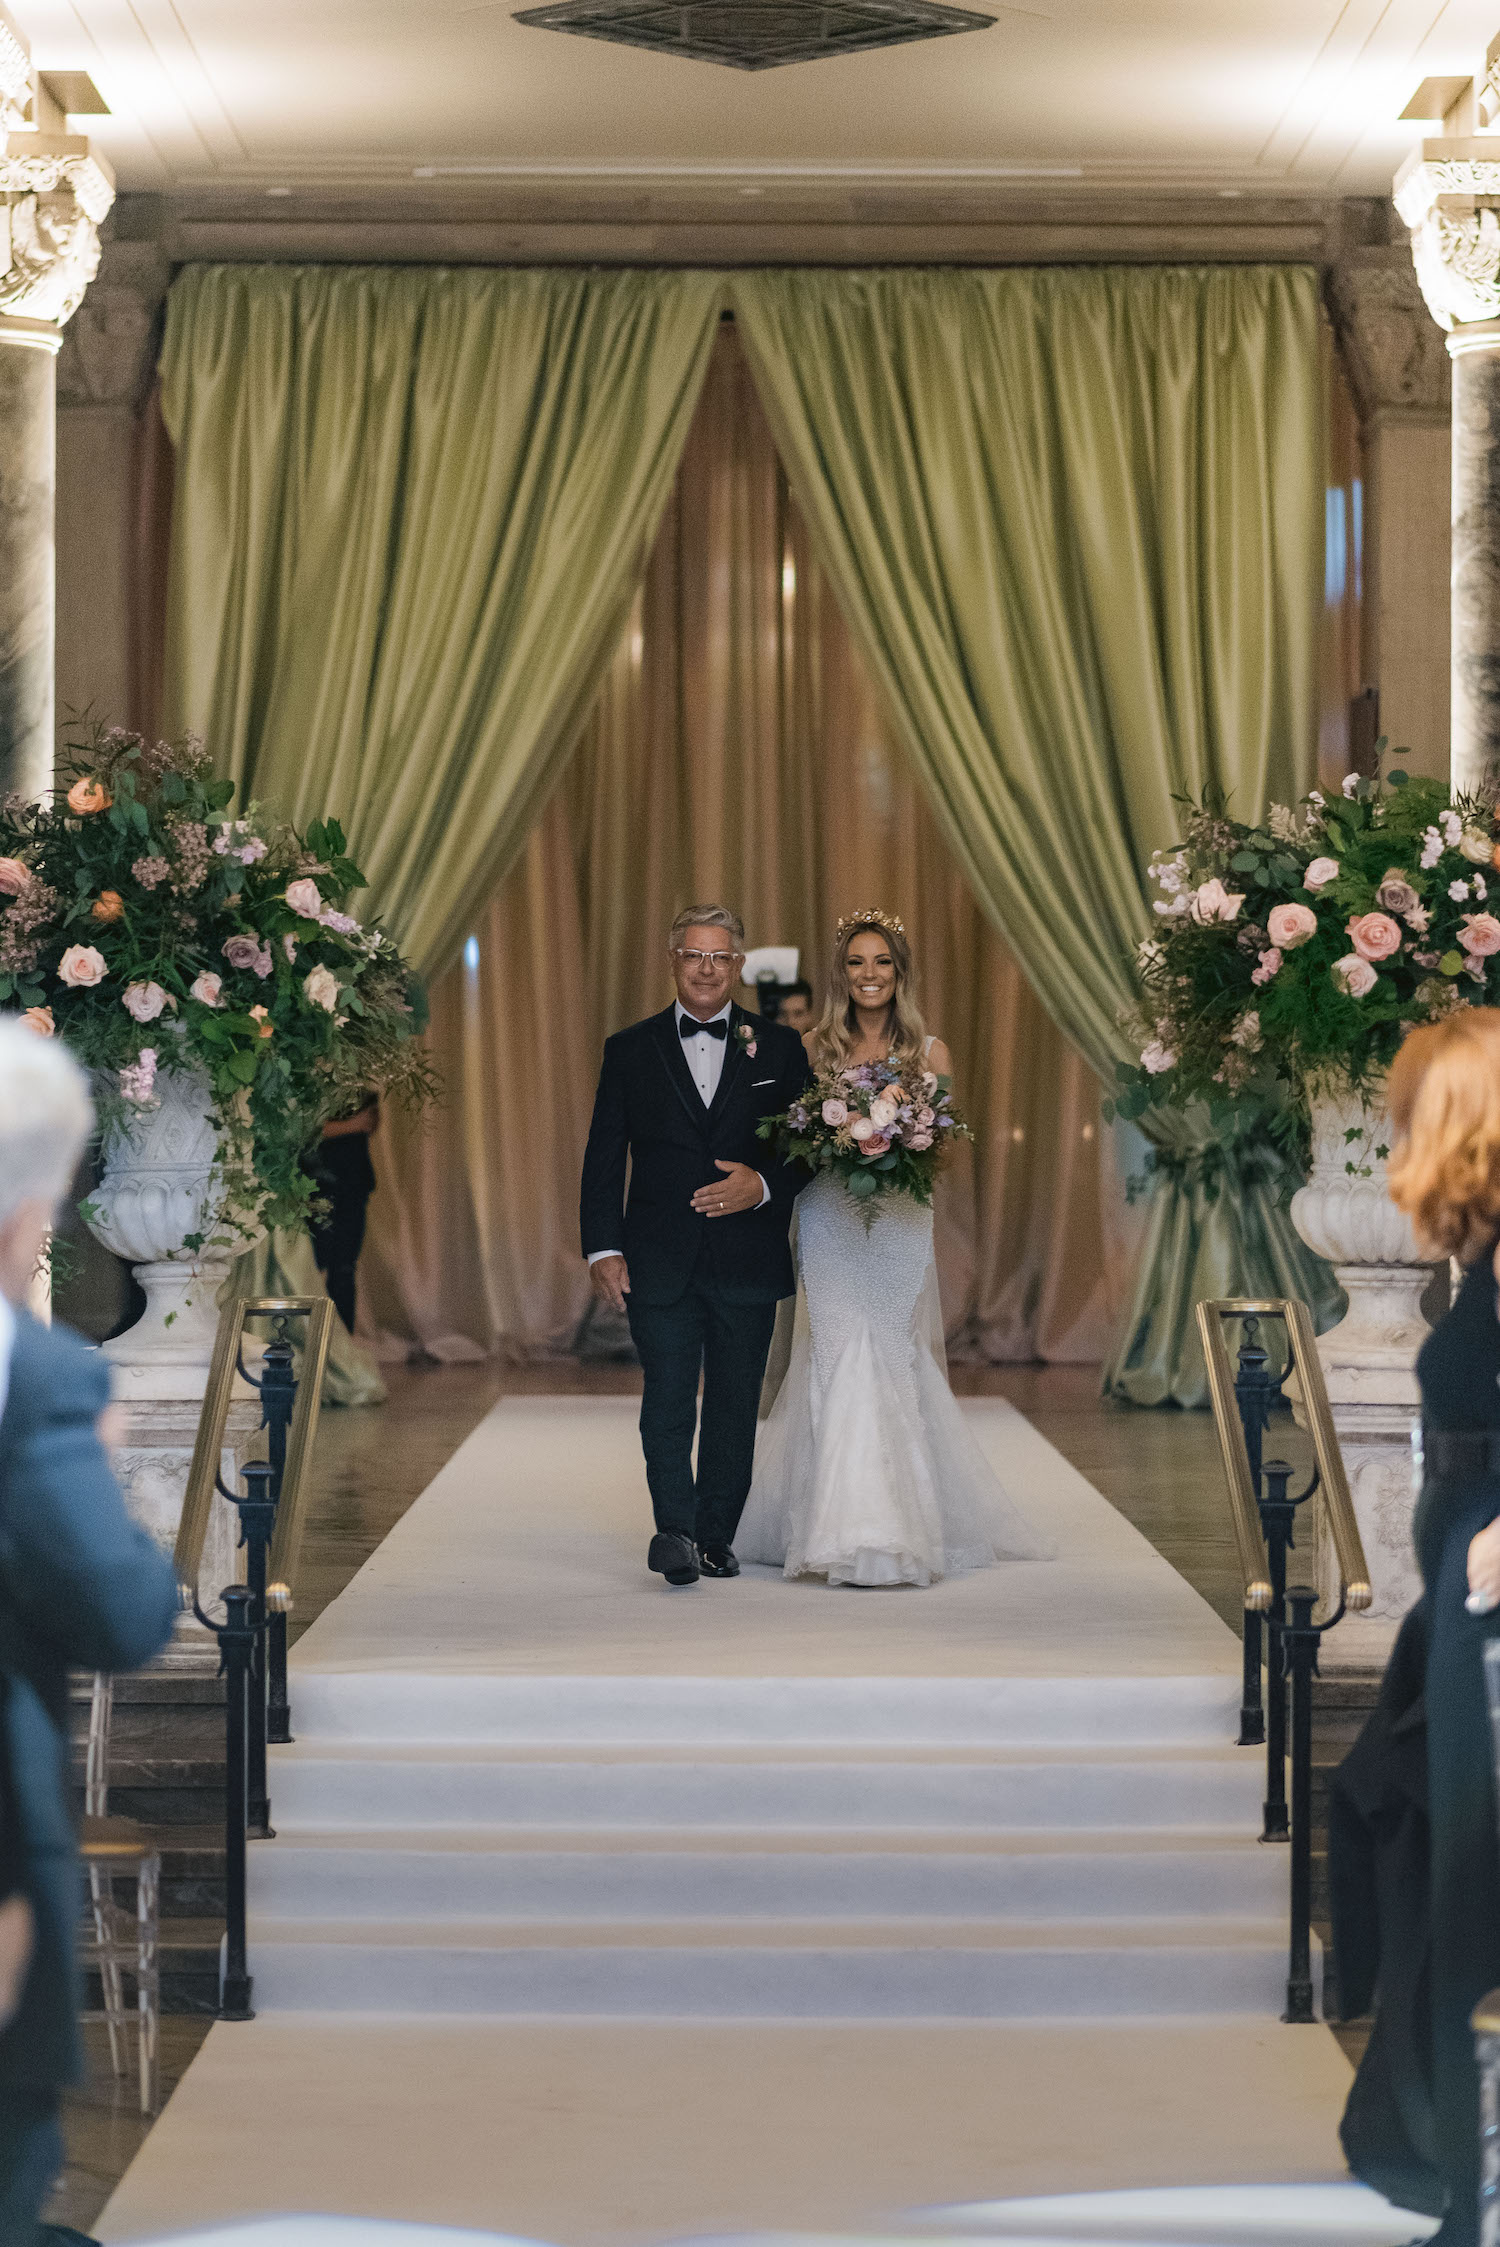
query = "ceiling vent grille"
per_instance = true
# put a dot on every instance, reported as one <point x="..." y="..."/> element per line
<point x="755" y="34"/>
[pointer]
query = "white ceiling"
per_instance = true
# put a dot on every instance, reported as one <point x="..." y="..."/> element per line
<point x="1296" y="96"/>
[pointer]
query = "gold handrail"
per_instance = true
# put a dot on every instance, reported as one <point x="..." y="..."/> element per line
<point x="208" y="1446"/>
<point x="1348" y="1546"/>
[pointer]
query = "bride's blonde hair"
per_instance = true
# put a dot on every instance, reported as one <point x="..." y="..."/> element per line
<point x="837" y="1034"/>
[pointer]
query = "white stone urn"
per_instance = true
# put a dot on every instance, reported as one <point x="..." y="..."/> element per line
<point x="162" y="1181"/>
<point x="1345" y="1213"/>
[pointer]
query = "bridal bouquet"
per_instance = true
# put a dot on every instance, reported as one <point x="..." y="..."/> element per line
<point x="151" y="930"/>
<point x="879" y="1128"/>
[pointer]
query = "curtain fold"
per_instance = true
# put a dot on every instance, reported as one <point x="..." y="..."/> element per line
<point x="411" y="508"/>
<point x="1075" y="520"/>
<point x="737" y="749"/>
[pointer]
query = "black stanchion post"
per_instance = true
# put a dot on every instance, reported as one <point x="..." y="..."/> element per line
<point x="236" y="1645"/>
<point x="257" y="1511"/>
<point x="1277" y="1517"/>
<point x="1253" y="1390"/>
<point x="278" y="1391"/>
<point x="1300" y="1638"/>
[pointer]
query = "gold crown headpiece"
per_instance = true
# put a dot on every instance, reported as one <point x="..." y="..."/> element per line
<point x="871" y="917"/>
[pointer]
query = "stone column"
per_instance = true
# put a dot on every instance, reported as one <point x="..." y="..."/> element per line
<point x="1448" y="193"/>
<point x="1399" y="373"/>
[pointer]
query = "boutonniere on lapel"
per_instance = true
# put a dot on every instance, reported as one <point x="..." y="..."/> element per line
<point x="744" y="1038"/>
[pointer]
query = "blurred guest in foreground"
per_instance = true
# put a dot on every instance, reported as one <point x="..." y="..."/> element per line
<point x="81" y="1587"/>
<point x="1414" y="1842"/>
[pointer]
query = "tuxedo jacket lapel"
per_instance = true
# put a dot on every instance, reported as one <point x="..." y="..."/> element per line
<point x="674" y="1060"/>
<point x="734" y="1062"/>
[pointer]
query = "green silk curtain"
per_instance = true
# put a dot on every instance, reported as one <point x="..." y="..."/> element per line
<point x="411" y="509"/>
<point x="1074" y="517"/>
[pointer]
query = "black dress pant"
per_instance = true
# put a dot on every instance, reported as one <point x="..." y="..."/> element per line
<point x="344" y="1174"/>
<point x="727" y="1344"/>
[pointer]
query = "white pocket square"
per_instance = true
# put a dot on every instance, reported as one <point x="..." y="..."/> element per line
<point x="757" y="1082"/>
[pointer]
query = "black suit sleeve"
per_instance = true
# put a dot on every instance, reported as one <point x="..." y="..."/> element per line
<point x="786" y="1180"/>
<point x="601" y="1218"/>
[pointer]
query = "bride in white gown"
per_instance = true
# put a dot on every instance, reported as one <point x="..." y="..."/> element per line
<point x="865" y="1471"/>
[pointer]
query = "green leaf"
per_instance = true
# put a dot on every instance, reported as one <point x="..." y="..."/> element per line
<point x="860" y="1183"/>
<point x="7" y="985"/>
<point x="1262" y="878"/>
<point x="1451" y="963"/>
<point x="1244" y="861"/>
<point x="242" y="1065"/>
<point x="1399" y="779"/>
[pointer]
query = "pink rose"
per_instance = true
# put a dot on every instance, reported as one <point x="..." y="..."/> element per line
<point x="1375" y="936"/>
<point x="925" y="1119"/>
<point x="39" y="1018"/>
<point x="1270" y="961"/>
<point x="877" y="1144"/>
<point x="1395" y="894"/>
<point x="81" y="967"/>
<point x="248" y="952"/>
<point x="305" y="899"/>
<point x="321" y="987"/>
<point x="1213" y="902"/>
<point x="835" y="1113"/>
<point x="919" y="1140"/>
<point x="1480" y="934"/>
<point x="143" y="1001"/>
<point x="1354" y="975"/>
<point x="13" y="877"/>
<point x="1320" y="873"/>
<point x="1291" y="925"/>
<point x="207" y="988"/>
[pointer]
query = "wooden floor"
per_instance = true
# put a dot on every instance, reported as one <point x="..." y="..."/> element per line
<point x="1161" y="1469"/>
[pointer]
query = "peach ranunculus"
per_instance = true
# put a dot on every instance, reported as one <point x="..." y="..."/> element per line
<point x="88" y="795"/>
<point x="1375" y="936"/>
<point x="1291" y="925"/>
<point x="81" y="967"/>
<point x="1480" y="935"/>
<point x="1211" y="901"/>
<point x="835" y="1113"/>
<point x="109" y="905"/>
<point x="13" y="877"/>
<point x="1320" y="873"/>
<point x="39" y="1018"/>
<point x="1354" y="975"/>
<point x="883" y="1113"/>
<point x="143" y="1001"/>
<point x="207" y="988"/>
<point x="305" y="899"/>
<point x="259" y="1015"/>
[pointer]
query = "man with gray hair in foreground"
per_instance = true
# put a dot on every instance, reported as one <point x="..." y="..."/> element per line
<point x="698" y="1254"/>
<point x="81" y="1587"/>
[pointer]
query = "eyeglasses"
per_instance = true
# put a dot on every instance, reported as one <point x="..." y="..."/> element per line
<point x="703" y="959"/>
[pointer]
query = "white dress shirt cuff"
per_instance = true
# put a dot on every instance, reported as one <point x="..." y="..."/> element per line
<point x="600" y="1252"/>
<point x="765" y="1192"/>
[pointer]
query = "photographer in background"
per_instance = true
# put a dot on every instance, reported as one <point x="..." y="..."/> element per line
<point x="81" y="1587"/>
<point x="344" y="1175"/>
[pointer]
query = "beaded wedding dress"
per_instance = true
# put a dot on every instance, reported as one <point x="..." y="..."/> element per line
<point x="865" y="1470"/>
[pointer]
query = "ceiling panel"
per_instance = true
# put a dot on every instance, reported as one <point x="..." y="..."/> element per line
<point x="1289" y="95"/>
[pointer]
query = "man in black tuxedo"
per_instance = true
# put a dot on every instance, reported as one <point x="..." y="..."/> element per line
<point x="698" y="1256"/>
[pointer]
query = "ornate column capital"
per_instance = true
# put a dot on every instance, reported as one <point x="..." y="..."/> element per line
<point x="107" y="357"/>
<point x="1395" y="356"/>
<point x="54" y="193"/>
<point x="1448" y="193"/>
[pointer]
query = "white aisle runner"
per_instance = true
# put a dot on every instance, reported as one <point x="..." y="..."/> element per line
<point x="602" y="1912"/>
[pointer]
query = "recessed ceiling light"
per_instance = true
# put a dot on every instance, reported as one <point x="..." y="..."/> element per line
<point x="278" y="191"/>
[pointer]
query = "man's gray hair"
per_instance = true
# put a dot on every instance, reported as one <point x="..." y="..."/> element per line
<point x="708" y="916"/>
<point x="46" y="1116"/>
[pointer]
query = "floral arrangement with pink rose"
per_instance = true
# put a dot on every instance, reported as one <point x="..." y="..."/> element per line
<point x="879" y="1127"/>
<point x="1291" y="956"/>
<point x="152" y="931"/>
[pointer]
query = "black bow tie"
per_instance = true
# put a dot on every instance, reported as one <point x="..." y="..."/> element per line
<point x="691" y="1029"/>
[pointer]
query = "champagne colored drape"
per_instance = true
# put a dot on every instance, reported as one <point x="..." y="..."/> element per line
<point x="736" y="750"/>
<point x="412" y="506"/>
<point x="1075" y="520"/>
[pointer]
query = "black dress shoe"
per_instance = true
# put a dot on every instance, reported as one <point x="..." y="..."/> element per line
<point x="717" y="1560"/>
<point x="676" y="1558"/>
